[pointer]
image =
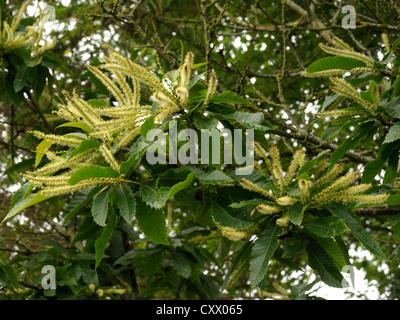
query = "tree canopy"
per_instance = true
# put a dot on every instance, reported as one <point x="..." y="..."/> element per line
<point x="88" y="90"/>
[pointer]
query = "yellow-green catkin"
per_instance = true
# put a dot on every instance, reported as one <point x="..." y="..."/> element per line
<point x="246" y="184"/>
<point x="232" y="233"/>
<point x="268" y="210"/>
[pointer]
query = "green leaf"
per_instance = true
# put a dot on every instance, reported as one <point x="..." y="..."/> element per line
<point x="359" y="232"/>
<point x="100" y="207"/>
<point x="89" y="172"/>
<point x="20" y="194"/>
<point x="229" y="98"/>
<point x="294" y="245"/>
<point x="181" y="265"/>
<point x="296" y="212"/>
<point x="75" y="124"/>
<point x="396" y="230"/>
<point x="331" y="132"/>
<point x="374" y="167"/>
<point x="126" y="202"/>
<point x="323" y="264"/>
<point x="226" y="218"/>
<point x="211" y="177"/>
<point x="391" y="221"/>
<point x="337" y="62"/>
<point x="148" y="193"/>
<point x="101" y="242"/>
<point x="202" y="122"/>
<point x="263" y="250"/>
<point x="166" y="193"/>
<point x="11" y="274"/>
<point x="147" y="126"/>
<point x="311" y="164"/>
<point x="134" y="155"/>
<point x="29" y="201"/>
<point x="238" y="262"/>
<point x="151" y="222"/>
<point x="79" y="201"/>
<point x="20" y="77"/>
<point x="333" y="249"/>
<point x="246" y="119"/>
<point x="41" y="150"/>
<point x="195" y="79"/>
<point x="393" y="107"/>
<point x="326" y="227"/>
<point x="85" y="145"/>
<point x="20" y="166"/>
<point x="393" y="134"/>
<point x="361" y="132"/>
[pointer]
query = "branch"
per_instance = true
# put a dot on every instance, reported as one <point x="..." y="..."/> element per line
<point x="377" y="211"/>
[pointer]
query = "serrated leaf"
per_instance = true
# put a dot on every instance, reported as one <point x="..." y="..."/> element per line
<point x="10" y="272"/>
<point x="396" y="230"/>
<point x="391" y="221"/>
<point x="296" y="212"/>
<point x="148" y="193"/>
<point x="147" y="126"/>
<point x="359" y="232"/>
<point x="332" y="248"/>
<point x="202" y="122"/>
<point x="246" y="119"/>
<point x="211" y="177"/>
<point x="166" y="193"/>
<point x="226" y="218"/>
<point x="323" y="264"/>
<point x="79" y="201"/>
<point x="29" y="201"/>
<point x="361" y="132"/>
<point x="100" y="207"/>
<point x="134" y="155"/>
<point x="181" y="265"/>
<point x="85" y="145"/>
<point x="393" y="134"/>
<point x="101" y="242"/>
<point x="326" y="227"/>
<point x="229" y="98"/>
<point x="263" y="250"/>
<point x="20" y="194"/>
<point x="20" y="77"/>
<point x="195" y="79"/>
<point x="238" y="262"/>
<point x="151" y="222"/>
<point x="75" y="124"/>
<point x="126" y="202"/>
<point x="93" y="171"/>
<point x="294" y="245"/>
<point x="331" y="132"/>
<point x="336" y="62"/>
<point x="41" y="150"/>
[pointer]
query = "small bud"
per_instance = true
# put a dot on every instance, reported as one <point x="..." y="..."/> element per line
<point x="100" y="292"/>
<point x="286" y="201"/>
<point x="283" y="221"/>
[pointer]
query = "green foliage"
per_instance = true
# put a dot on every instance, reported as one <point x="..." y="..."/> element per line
<point x="117" y="226"/>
